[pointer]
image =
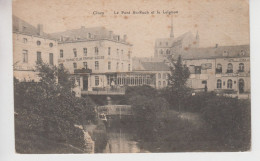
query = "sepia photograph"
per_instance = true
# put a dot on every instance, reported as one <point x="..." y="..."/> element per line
<point x="131" y="76"/>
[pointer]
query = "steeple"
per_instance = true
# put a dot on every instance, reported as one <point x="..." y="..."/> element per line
<point x="172" y="35"/>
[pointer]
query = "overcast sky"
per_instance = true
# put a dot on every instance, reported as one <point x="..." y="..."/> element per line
<point x="225" y="22"/>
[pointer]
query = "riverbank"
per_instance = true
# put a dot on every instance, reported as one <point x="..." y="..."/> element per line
<point x="188" y="132"/>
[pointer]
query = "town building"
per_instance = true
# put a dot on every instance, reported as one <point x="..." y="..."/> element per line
<point x="223" y="69"/>
<point x="95" y="56"/>
<point x="31" y="44"/>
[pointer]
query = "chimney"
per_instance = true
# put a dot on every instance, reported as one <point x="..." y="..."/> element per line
<point x="40" y="29"/>
<point x="216" y="45"/>
<point x="125" y="37"/>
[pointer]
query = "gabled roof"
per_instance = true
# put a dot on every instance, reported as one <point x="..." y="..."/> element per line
<point x="215" y="52"/>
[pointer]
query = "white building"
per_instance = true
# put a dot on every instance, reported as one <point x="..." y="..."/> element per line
<point x="31" y="44"/>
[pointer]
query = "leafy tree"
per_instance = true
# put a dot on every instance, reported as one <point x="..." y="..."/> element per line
<point x="48" y="109"/>
<point x="177" y="82"/>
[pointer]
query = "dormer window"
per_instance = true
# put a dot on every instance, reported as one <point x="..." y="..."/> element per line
<point x="51" y="45"/>
<point x="96" y="50"/>
<point x="25" y="40"/>
<point x="89" y="35"/>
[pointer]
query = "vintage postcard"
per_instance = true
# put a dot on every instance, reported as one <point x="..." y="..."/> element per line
<point x="131" y="76"/>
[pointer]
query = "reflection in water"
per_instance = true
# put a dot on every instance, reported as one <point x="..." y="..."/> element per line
<point x="120" y="140"/>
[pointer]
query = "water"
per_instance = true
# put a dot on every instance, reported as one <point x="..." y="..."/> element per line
<point x="121" y="139"/>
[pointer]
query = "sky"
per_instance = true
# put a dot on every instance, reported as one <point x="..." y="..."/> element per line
<point x="223" y="22"/>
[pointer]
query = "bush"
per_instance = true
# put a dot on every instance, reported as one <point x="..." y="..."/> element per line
<point x="230" y="119"/>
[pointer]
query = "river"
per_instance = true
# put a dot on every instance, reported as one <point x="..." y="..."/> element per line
<point x="121" y="139"/>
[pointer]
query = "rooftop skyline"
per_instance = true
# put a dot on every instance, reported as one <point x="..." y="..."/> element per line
<point x="218" y="22"/>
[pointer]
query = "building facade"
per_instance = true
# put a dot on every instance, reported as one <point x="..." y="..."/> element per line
<point x="31" y="44"/>
<point x="223" y="69"/>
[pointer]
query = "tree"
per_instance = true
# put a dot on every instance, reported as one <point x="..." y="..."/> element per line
<point x="48" y="110"/>
<point x="177" y="82"/>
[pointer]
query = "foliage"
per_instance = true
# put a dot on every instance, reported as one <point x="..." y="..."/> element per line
<point x="230" y="119"/>
<point x="177" y="91"/>
<point x="147" y="109"/>
<point x="48" y="108"/>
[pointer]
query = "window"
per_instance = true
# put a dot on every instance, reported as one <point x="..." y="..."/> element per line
<point x="25" y="56"/>
<point x="164" y="83"/>
<point x="96" y="50"/>
<point x="109" y="65"/>
<point x="85" y="51"/>
<point x="51" y="45"/>
<point x="129" y="67"/>
<point x="159" y="83"/>
<point x="122" y="66"/>
<point x="75" y="65"/>
<point x="164" y="75"/>
<point x="219" y="68"/>
<point x="96" y="80"/>
<point x="109" y="50"/>
<point x="159" y="76"/>
<point x="117" y="52"/>
<point x="122" y="52"/>
<point x="219" y="83"/>
<point x="51" y="58"/>
<point x="85" y="64"/>
<point x="241" y="67"/>
<point x="61" y="53"/>
<point x="39" y="56"/>
<point x="75" y="52"/>
<point x="168" y="51"/>
<point x="24" y="40"/>
<point x="161" y="51"/>
<point x="38" y="43"/>
<point x="117" y="65"/>
<point x="229" y="84"/>
<point x="89" y="35"/>
<point x="230" y="68"/>
<point x="166" y="43"/>
<point x="96" y="65"/>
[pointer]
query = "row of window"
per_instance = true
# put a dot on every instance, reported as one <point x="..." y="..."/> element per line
<point x="85" y="64"/>
<point x="39" y="57"/>
<point x="241" y="68"/>
<point x="229" y="83"/>
<point x="25" y="40"/>
<point x="164" y="83"/>
<point x="163" y="76"/>
<point x="96" y="50"/>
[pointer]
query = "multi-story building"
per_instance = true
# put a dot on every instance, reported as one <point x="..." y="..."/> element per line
<point x="31" y="44"/>
<point x="94" y="55"/>
<point x="224" y="69"/>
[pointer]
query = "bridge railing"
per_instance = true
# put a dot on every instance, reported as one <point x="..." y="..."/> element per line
<point x="106" y="91"/>
<point x="115" y="109"/>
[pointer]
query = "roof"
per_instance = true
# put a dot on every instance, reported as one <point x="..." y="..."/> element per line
<point x="171" y="41"/>
<point x="215" y="52"/>
<point x="154" y="66"/>
<point x="85" y="34"/>
<point x="27" y="28"/>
